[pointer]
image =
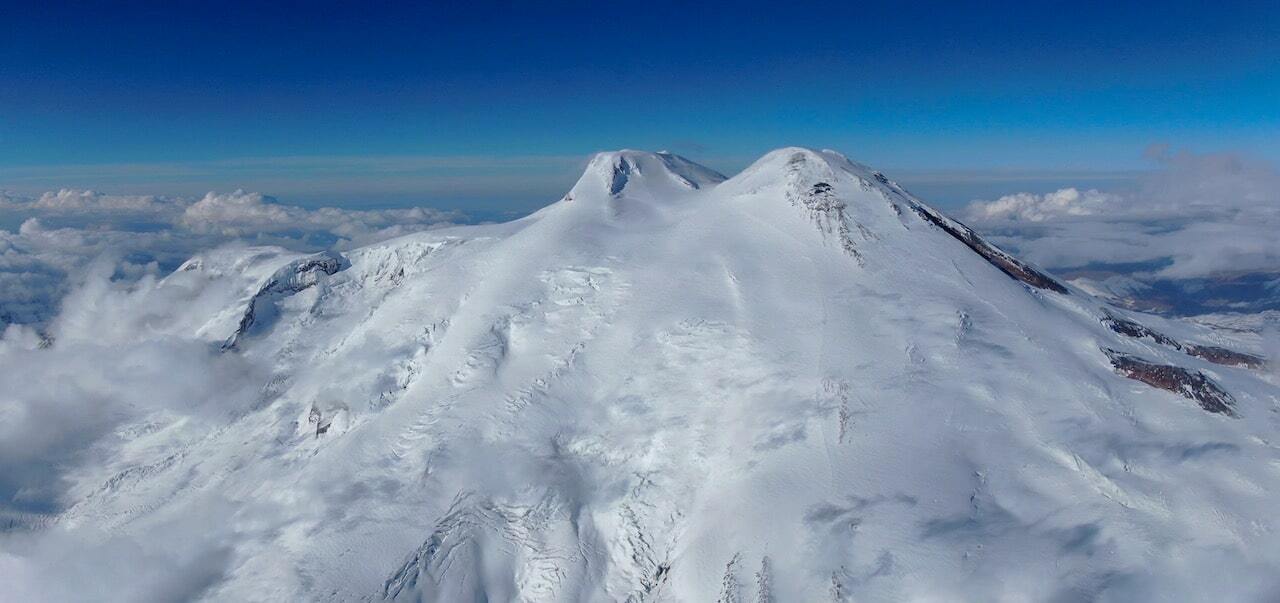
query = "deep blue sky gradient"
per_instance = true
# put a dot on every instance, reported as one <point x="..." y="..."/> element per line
<point x="315" y="100"/>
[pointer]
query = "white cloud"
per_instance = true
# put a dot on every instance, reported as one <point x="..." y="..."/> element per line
<point x="127" y="365"/>
<point x="242" y="214"/>
<point x="179" y="562"/>
<point x="76" y="201"/>
<point x="55" y="235"/>
<point x="1038" y="208"/>
<point x="1199" y="215"/>
<point x="113" y="338"/>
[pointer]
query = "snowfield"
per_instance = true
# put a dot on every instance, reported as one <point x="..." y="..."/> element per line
<point x="800" y="383"/>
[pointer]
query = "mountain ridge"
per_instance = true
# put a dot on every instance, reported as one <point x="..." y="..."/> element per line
<point x="797" y="383"/>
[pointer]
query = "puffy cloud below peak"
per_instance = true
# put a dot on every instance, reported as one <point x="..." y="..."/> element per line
<point x="1197" y="216"/>
<point x="241" y="214"/>
<point x="53" y="237"/>
<point x="1038" y="208"/>
<point x="237" y="213"/>
<point x="80" y="201"/>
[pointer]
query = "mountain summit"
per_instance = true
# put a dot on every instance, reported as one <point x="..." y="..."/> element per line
<point x="656" y="173"/>
<point x="801" y="383"/>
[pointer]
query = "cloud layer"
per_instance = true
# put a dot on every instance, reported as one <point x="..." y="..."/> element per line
<point x="1198" y="216"/>
<point x="49" y="239"/>
<point x="1030" y="207"/>
<point x="118" y="364"/>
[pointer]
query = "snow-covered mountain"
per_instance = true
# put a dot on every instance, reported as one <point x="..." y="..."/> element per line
<point x="800" y="383"/>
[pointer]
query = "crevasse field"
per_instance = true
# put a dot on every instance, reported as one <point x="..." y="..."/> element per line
<point x="800" y="383"/>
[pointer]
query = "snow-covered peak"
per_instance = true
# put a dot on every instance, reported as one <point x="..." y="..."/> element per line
<point x="796" y="165"/>
<point x="628" y="172"/>
<point x="799" y="384"/>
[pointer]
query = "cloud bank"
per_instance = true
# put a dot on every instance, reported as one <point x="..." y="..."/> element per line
<point x="119" y="365"/>
<point x="47" y="240"/>
<point x="1030" y="207"/>
<point x="88" y="271"/>
<point x="1198" y="216"/>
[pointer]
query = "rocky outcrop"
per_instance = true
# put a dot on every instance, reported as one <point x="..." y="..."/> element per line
<point x="825" y="208"/>
<point x="296" y="276"/>
<point x="621" y="173"/>
<point x="1214" y="354"/>
<point x="627" y="172"/>
<point x="1224" y="356"/>
<point x="1136" y="330"/>
<point x="1190" y="384"/>
<point x="1008" y="264"/>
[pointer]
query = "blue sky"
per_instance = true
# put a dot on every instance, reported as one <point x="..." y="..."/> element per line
<point x="494" y="105"/>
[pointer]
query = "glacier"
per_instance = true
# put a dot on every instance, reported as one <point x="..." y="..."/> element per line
<point x="799" y="383"/>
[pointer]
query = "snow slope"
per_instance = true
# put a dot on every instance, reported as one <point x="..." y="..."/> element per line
<point x="797" y="384"/>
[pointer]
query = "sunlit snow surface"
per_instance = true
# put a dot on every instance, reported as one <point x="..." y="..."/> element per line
<point x="664" y="387"/>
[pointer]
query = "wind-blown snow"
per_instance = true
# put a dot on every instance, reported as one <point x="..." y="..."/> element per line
<point x="796" y="384"/>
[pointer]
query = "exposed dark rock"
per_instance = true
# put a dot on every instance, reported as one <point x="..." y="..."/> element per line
<point x="825" y="208"/>
<point x="1224" y="356"/>
<point x="294" y="277"/>
<point x="1214" y="354"/>
<point x="621" y="174"/>
<point x="1190" y="384"/>
<point x="318" y="419"/>
<point x="1008" y="264"/>
<point x="1130" y="328"/>
<point x="651" y="584"/>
